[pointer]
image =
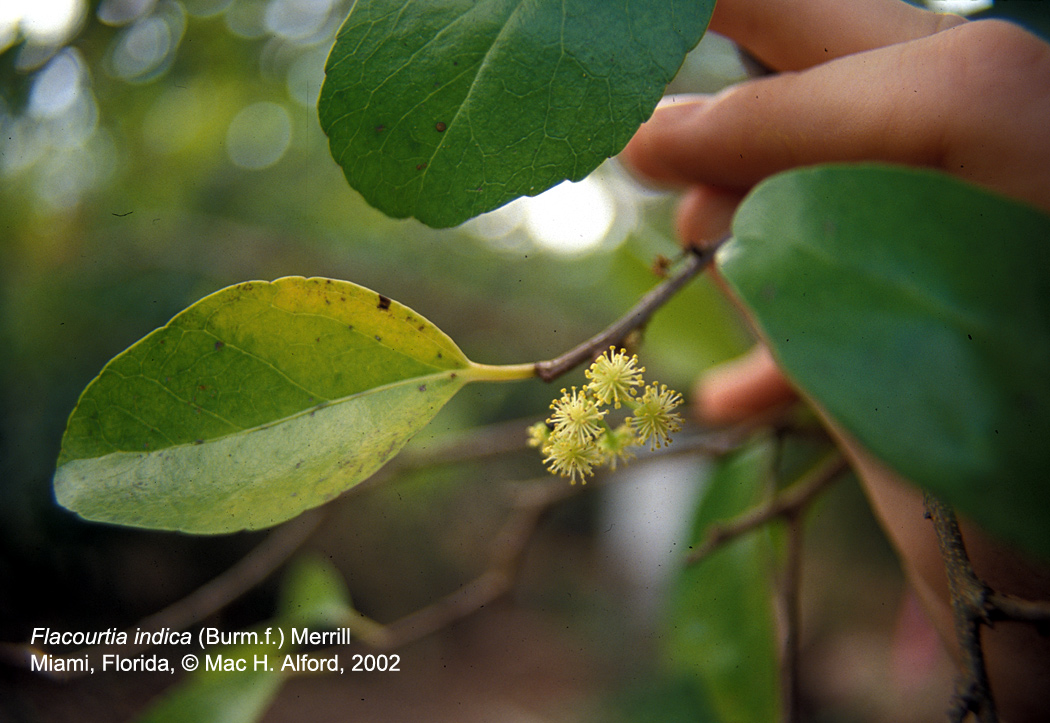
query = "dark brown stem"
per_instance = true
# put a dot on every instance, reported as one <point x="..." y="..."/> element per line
<point x="696" y="260"/>
<point x="971" y="608"/>
<point x="788" y="505"/>
<point x="790" y="588"/>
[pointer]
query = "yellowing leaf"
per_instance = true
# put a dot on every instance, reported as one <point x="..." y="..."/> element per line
<point x="254" y="404"/>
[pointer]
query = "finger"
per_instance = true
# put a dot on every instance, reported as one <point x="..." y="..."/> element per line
<point x="930" y="102"/>
<point x="742" y="389"/>
<point x="755" y="129"/>
<point x="792" y="35"/>
<point x="789" y="35"/>
<point x="839" y="111"/>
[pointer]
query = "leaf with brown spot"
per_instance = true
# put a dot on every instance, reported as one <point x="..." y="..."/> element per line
<point x="278" y="431"/>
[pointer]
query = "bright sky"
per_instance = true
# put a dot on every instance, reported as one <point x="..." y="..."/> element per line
<point x="571" y="218"/>
<point x="44" y="22"/>
<point x="964" y="7"/>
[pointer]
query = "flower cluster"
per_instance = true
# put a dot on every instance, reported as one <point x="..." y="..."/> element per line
<point x="577" y="437"/>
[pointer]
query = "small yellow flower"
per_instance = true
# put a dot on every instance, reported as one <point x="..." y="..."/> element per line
<point x="613" y="377"/>
<point x="576" y="438"/>
<point x="615" y="444"/>
<point x="653" y="420"/>
<point x="539" y="433"/>
<point x="570" y="459"/>
<point x="576" y="417"/>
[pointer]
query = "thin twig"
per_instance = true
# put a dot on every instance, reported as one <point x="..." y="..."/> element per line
<point x="1009" y="607"/>
<point x="789" y="589"/>
<point x="248" y="572"/>
<point x="696" y="261"/>
<point x="784" y="504"/>
<point x="491" y="584"/>
<point x="531" y="502"/>
<point x="209" y="598"/>
<point x="970" y="598"/>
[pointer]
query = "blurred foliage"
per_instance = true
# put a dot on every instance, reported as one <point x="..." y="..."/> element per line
<point x="1034" y="16"/>
<point x="669" y="701"/>
<point x="721" y="627"/>
<point x="312" y="594"/>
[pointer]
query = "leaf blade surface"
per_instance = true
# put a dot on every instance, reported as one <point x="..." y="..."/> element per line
<point x="720" y="629"/>
<point x="915" y="310"/>
<point x="445" y="110"/>
<point x="254" y="404"/>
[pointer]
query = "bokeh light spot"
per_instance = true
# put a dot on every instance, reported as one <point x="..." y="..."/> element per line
<point x="42" y="22"/>
<point x="571" y="217"/>
<point x="259" y="135"/>
<point x="56" y="87"/>
<point x="146" y="48"/>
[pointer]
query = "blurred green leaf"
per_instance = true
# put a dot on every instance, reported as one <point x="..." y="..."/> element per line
<point x="674" y="700"/>
<point x="313" y="592"/>
<point x="721" y="627"/>
<point x="445" y="110"/>
<point x="220" y="696"/>
<point x="915" y="310"/>
<point x="252" y="405"/>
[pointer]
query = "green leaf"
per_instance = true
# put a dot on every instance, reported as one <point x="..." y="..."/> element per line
<point x="668" y="700"/>
<point x="221" y="697"/>
<point x="443" y="110"/>
<point x="721" y="628"/>
<point x="915" y="310"/>
<point x="313" y="592"/>
<point x="254" y="404"/>
<point x="313" y="595"/>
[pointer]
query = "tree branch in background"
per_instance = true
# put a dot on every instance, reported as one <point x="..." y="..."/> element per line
<point x="970" y="609"/>
<point x="206" y="600"/>
<point x="974" y="604"/>
<point x="530" y="502"/>
<point x="788" y="505"/>
<point x="783" y="505"/>
<point x="251" y="570"/>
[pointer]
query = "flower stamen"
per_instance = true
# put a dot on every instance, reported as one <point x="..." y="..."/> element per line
<point x="653" y="420"/>
<point x="576" y="416"/>
<point x="613" y="377"/>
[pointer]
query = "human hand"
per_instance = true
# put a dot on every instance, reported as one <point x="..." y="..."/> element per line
<point x="869" y="80"/>
<point x="872" y="80"/>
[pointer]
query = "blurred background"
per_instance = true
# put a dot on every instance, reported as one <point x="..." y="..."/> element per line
<point x="154" y="151"/>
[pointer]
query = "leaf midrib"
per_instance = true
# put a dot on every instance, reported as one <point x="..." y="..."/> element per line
<point x="451" y="374"/>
